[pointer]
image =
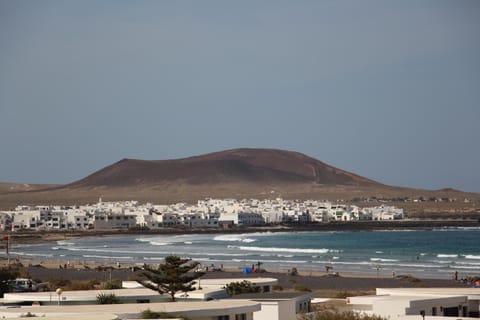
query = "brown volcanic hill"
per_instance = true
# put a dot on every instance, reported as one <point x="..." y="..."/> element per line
<point x="259" y="166"/>
<point x="240" y="174"/>
<point x="9" y="187"/>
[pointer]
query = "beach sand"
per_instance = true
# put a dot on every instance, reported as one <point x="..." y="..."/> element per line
<point x="321" y="283"/>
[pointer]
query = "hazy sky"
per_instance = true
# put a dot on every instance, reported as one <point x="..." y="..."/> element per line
<point x="389" y="90"/>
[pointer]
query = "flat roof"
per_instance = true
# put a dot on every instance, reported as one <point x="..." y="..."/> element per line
<point x="223" y="281"/>
<point x="366" y="300"/>
<point x="472" y="293"/>
<point x="80" y="295"/>
<point x="190" y="308"/>
<point x="93" y="316"/>
<point x="273" y="295"/>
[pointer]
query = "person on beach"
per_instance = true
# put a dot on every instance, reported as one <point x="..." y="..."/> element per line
<point x="328" y="266"/>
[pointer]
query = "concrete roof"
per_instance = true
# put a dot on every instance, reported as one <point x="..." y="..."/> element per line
<point x="472" y="293"/>
<point x="273" y="296"/>
<point x="223" y="281"/>
<point x="75" y="317"/>
<point x="357" y="299"/>
<point x="80" y="295"/>
<point x="192" y="308"/>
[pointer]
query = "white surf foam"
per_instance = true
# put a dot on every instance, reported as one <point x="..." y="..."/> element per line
<point x="233" y="238"/>
<point x="471" y="256"/>
<point x="441" y="255"/>
<point x="270" y="249"/>
<point x="106" y="257"/>
<point x="65" y="243"/>
<point x="383" y="260"/>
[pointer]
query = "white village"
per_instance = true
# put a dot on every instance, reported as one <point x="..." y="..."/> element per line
<point x="208" y="213"/>
<point x="209" y="298"/>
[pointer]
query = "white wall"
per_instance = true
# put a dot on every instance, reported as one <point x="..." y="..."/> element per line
<point x="270" y="310"/>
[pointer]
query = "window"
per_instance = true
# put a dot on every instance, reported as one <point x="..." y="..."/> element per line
<point x="242" y="316"/>
<point x="223" y="318"/>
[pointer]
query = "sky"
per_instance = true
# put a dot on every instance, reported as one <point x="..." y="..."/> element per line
<point x="389" y="90"/>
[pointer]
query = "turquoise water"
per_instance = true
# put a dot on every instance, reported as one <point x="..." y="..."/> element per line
<point x="434" y="253"/>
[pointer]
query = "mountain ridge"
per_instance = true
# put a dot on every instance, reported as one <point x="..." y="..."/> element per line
<point x="238" y="173"/>
<point x="235" y="165"/>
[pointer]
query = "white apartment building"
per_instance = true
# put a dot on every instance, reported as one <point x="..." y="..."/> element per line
<point x="113" y="221"/>
<point x="395" y="303"/>
<point x="241" y="218"/>
<point x="206" y="213"/>
<point x="383" y="213"/>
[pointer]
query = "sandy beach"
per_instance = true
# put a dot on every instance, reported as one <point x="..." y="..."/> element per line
<point x="322" y="284"/>
<point x="319" y="282"/>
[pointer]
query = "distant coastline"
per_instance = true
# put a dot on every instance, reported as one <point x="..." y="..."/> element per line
<point x="423" y="249"/>
<point x="37" y="236"/>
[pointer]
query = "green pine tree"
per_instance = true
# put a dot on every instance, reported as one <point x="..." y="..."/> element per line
<point x="172" y="276"/>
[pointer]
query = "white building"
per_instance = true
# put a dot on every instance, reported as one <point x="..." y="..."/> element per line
<point x="206" y="213"/>
<point x="279" y="305"/>
<point x="242" y="218"/>
<point x="398" y="302"/>
<point x="195" y="310"/>
<point x="114" y="221"/>
<point x="383" y="213"/>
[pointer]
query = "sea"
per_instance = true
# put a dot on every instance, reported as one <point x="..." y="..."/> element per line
<point x="437" y="253"/>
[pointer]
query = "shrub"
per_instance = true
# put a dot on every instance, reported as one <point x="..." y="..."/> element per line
<point x="149" y="314"/>
<point x="343" y="294"/>
<point x="277" y="288"/>
<point x="82" y="285"/>
<point x="346" y="294"/>
<point x="333" y="315"/>
<point x="412" y="279"/>
<point x="245" y="286"/>
<point x="28" y="315"/>
<point x="103" y="298"/>
<point x="74" y="285"/>
<point x="58" y="283"/>
<point x="301" y="287"/>
<point x="114" y="284"/>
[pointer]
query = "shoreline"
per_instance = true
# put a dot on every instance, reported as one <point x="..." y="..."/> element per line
<point x="53" y="262"/>
<point x="35" y="236"/>
<point x="321" y="284"/>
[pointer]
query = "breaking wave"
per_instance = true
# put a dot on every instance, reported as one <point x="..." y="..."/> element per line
<point x="447" y="255"/>
<point x="471" y="256"/>
<point x="294" y="250"/>
<point x="383" y="260"/>
<point x="233" y="238"/>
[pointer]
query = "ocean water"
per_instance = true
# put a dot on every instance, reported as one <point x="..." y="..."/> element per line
<point x="433" y="254"/>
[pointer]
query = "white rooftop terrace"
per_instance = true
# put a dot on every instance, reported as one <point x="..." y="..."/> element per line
<point x="191" y="309"/>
